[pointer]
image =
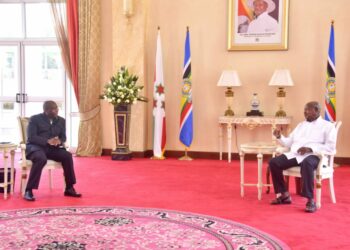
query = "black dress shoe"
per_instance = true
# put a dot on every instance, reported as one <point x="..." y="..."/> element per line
<point x="72" y="193"/>
<point x="310" y="207"/>
<point x="284" y="199"/>
<point x="28" y="195"/>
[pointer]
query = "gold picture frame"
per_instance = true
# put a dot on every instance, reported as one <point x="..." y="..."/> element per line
<point x="267" y="31"/>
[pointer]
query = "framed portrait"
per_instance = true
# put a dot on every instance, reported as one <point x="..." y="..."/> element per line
<point x="258" y="24"/>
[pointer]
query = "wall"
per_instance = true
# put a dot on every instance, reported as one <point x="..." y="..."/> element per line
<point x="309" y="26"/>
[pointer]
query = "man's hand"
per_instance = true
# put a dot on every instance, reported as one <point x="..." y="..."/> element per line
<point x="277" y="133"/>
<point x="55" y="141"/>
<point x="304" y="150"/>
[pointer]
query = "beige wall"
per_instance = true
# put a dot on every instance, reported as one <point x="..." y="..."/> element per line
<point x="309" y="25"/>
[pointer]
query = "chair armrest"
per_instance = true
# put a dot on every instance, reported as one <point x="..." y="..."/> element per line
<point x="22" y="146"/>
<point x="326" y="160"/>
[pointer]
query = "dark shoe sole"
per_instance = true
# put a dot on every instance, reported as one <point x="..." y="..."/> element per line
<point x="281" y="201"/>
<point x="72" y="195"/>
<point x="29" y="199"/>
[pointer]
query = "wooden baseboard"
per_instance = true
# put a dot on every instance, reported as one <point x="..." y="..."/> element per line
<point x="210" y="155"/>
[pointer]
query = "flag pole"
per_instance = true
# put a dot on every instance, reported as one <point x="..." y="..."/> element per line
<point x="185" y="157"/>
<point x="159" y="136"/>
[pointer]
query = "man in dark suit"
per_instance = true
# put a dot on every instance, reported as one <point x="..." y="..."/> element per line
<point x="46" y="135"/>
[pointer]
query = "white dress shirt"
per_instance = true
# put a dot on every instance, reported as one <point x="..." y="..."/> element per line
<point x="264" y="23"/>
<point x="319" y="135"/>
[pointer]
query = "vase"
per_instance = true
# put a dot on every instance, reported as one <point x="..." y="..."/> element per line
<point x="122" y="127"/>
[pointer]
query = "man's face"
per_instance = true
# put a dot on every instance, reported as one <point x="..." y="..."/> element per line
<point x="52" y="111"/>
<point x="311" y="113"/>
<point x="260" y="6"/>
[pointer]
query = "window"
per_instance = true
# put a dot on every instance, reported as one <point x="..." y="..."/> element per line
<point x="31" y="69"/>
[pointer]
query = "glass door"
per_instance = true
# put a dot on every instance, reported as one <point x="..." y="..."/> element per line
<point x="44" y="78"/>
<point x="31" y="69"/>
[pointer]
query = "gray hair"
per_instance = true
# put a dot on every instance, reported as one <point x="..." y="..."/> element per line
<point x="315" y="105"/>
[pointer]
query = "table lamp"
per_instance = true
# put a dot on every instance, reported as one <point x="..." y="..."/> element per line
<point x="229" y="79"/>
<point x="281" y="78"/>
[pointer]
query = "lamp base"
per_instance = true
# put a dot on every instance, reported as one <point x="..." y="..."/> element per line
<point x="229" y="112"/>
<point x="281" y="113"/>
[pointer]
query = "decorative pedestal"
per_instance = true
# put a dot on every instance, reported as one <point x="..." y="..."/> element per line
<point x="122" y="126"/>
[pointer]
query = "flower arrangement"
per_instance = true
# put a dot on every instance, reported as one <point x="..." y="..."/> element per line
<point x="122" y="88"/>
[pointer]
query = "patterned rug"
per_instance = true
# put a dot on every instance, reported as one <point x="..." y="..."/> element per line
<point x="125" y="228"/>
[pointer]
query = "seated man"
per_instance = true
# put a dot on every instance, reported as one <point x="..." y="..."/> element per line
<point x="313" y="135"/>
<point x="46" y="135"/>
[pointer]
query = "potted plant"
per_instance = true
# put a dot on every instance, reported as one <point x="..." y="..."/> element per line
<point x="122" y="92"/>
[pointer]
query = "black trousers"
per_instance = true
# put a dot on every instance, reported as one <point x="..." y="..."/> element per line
<point x="307" y="167"/>
<point x="39" y="159"/>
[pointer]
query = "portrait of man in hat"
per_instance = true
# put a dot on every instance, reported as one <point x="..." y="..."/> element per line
<point x="258" y="18"/>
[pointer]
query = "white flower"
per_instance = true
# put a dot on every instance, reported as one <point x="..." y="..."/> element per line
<point x="127" y="101"/>
<point x="118" y="101"/>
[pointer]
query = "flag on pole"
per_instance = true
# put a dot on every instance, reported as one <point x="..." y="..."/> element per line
<point x="186" y="117"/>
<point x="330" y="101"/>
<point x="244" y="10"/>
<point x="159" y="129"/>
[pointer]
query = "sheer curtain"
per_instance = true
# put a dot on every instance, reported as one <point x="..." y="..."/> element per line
<point x="65" y="13"/>
<point x="77" y="25"/>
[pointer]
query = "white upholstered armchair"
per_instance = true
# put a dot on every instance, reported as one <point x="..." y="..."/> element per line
<point x="324" y="170"/>
<point x="27" y="164"/>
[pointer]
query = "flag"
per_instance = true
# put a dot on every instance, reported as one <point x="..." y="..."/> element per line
<point x="186" y="117"/>
<point x="330" y="112"/>
<point x="159" y="129"/>
<point x="244" y="10"/>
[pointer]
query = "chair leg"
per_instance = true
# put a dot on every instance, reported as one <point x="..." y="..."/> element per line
<point x="298" y="185"/>
<point x="268" y="179"/>
<point x="23" y="184"/>
<point x="331" y="189"/>
<point x="318" y="192"/>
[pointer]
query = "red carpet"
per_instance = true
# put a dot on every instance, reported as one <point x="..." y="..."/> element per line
<point x="208" y="187"/>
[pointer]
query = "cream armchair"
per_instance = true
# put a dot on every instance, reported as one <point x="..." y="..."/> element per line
<point x="324" y="170"/>
<point x="27" y="164"/>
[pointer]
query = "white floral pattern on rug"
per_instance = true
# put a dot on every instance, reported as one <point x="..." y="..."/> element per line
<point x="125" y="228"/>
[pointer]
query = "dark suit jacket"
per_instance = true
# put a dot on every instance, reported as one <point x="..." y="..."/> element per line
<point x="40" y="130"/>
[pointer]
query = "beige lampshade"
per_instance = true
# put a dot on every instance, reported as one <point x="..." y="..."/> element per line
<point x="229" y="78"/>
<point x="281" y="78"/>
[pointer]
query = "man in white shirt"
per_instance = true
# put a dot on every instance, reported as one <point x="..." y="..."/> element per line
<point x="262" y="22"/>
<point x="312" y="135"/>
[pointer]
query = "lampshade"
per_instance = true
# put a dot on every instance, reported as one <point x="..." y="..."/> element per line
<point x="229" y="78"/>
<point x="282" y="78"/>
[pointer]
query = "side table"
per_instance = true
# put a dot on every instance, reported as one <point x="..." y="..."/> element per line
<point x="259" y="148"/>
<point x="5" y="148"/>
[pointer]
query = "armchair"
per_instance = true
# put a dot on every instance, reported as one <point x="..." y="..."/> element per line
<point x="324" y="170"/>
<point x="27" y="164"/>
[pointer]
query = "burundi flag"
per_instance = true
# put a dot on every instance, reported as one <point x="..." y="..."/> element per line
<point x="186" y="117"/>
<point x="330" y="114"/>
<point x="159" y="132"/>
